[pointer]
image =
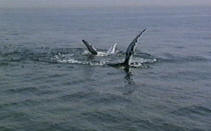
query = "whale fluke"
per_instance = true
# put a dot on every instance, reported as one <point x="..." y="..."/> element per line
<point x="90" y="47"/>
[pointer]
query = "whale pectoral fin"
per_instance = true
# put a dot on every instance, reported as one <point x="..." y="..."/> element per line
<point x="131" y="48"/>
<point x="90" y="48"/>
<point x="112" y="49"/>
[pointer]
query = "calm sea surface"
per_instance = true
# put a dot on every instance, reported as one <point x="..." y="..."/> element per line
<point x="48" y="82"/>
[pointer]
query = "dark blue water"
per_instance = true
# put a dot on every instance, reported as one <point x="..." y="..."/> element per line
<point x="47" y="82"/>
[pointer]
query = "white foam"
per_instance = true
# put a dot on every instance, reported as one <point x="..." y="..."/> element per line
<point x="136" y="64"/>
<point x="102" y="53"/>
<point x="71" y="61"/>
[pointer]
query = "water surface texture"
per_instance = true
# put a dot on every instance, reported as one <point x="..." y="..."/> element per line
<point x="49" y="82"/>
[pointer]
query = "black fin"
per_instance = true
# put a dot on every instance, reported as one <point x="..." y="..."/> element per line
<point x="130" y="49"/>
<point x="90" y="48"/>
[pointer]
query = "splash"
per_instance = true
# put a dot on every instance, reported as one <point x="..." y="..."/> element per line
<point x="72" y="56"/>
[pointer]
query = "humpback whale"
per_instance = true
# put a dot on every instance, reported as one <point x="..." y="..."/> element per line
<point x="94" y="51"/>
<point x="129" y="52"/>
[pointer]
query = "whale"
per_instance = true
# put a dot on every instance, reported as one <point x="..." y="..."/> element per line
<point x="128" y="54"/>
<point x="94" y="51"/>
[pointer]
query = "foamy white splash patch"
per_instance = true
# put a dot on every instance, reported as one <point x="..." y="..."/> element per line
<point x="72" y="59"/>
<point x="61" y="58"/>
<point x="99" y="53"/>
<point x="143" y="60"/>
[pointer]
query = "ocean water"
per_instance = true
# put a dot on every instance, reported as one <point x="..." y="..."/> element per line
<point x="48" y="81"/>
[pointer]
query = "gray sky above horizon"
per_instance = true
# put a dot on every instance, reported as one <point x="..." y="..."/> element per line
<point x="100" y="3"/>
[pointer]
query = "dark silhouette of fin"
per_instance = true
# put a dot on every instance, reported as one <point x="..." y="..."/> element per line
<point x="129" y="52"/>
<point x="90" y="48"/>
<point x="131" y="48"/>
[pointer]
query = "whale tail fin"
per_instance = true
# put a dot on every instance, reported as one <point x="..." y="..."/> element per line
<point x="112" y="49"/>
<point x="90" y="47"/>
<point x="131" y="48"/>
